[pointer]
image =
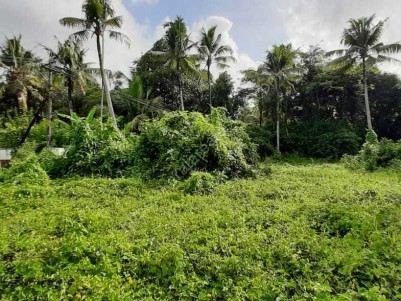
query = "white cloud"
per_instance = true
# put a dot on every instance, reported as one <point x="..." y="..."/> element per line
<point x="38" y="22"/>
<point x="224" y="25"/>
<point x="310" y="22"/>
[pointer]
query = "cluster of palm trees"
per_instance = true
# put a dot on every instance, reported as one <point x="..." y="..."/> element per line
<point x="184" y="55"/>
<point x="273" y="78"/>
<point x="279" y="71"/>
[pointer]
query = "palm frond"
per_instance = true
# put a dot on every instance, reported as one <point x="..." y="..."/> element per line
<point x="115" y="22"/>
<point x="74" y="22"/>
<point x="122" y="38"/>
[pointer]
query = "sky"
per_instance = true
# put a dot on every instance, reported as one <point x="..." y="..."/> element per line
<point x="250" y="27"/>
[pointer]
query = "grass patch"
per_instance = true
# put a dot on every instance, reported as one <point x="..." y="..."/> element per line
<point x="305" y="232"/>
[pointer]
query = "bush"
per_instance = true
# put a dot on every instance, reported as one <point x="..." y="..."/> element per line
<point x="181" y="143"/>
<point x="375" y="154"/>
<point x="26" y="171"/>
<point x="201" y="183"/>
<point x="262" y="137"/>
<point x="60" y="133"/>
<point x="322" y="139"/>
<point x="12" y="129"/>
<point x="97" y="149"/>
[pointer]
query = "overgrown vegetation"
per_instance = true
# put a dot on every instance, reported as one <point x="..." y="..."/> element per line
<point x="306" y="232"/>
<point x="375" y="154"/>
<point x="181" y="143"/>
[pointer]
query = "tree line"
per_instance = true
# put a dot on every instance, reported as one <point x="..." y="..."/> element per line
<point x="291" y="93"/>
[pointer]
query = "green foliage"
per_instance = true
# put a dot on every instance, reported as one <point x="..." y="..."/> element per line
<point x="181" y="143"/>
<point x="322" y="139"/>
<point x="60" y="133"/>
<point x="96" y="149"/>
<point x="375" y="154"/>
<point x="371" y="138"/>
<point x="200" y="183"/>
<point x="316" y="232"/>
<point x="12" y="127"/>
<point x="262" y="137"/>
<point x="25" y="169"/>
<point x="54" y="165"/>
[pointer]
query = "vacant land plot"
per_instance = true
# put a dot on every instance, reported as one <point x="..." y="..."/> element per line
<point x="302" y="233"/>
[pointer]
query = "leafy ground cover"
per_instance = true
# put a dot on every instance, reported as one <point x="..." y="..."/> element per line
<point x="305" y="232"/>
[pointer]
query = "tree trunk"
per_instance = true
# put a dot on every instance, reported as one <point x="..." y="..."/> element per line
<point x="210" y="89"/>
<point x="49" y="109"/>
<point x="70" y="91"/>
<point x="180" y="87"/>
<point x="102" y="100"/>
<point x="22" y="101"/>
<point x="105" y="85"/>
<point x="31" y="124"/>
<point x="278" y="119"/>
<point x="365" y="88"/>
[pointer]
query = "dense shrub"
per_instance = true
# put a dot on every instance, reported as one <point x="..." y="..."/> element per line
<point x="202" y="183"/>
<point x="375" y="154"/>
<point x="181" y="143"/>
<point x="13" y="128"/>
<point x="61" y="133"/>
<point x="96" y="149"/>
<point x="25" y="169"/>
<point x="322" y="139"/>
<point x="262" y="137"/>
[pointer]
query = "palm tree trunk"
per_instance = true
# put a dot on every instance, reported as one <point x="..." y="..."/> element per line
<point x="105" y="85"/>
<point x="102" y="100"/>
<point x="278" y="119"/>
<point x="365" y="88"/>
<point x="22" y="101"/>
<point x="180" y="88"/>
<point x="49" y="109"/>
<point x="70" y="91"/>
<point x="210" y="89"/>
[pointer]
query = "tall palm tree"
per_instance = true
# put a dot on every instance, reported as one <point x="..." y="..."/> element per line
<point x="177" y="52"/>
<point x="260" y="90"/>
<point x="22" y="75"/>
<point x="279" y="66"/>
<point x="362" y="41"/>
<point x="99" y="19"/>
<point x="211" y="51"/>
<point x="70" y="58"/>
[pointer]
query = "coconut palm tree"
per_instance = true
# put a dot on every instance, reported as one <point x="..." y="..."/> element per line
<point x="69" y="57"/>
<point x="177" y="52"/>
<point x="211" y="51"/>
<point x="361" y="39"/>
<point x="21" y="68"/>
<point x="99" y="19"/>
<point x="279" y="67"/>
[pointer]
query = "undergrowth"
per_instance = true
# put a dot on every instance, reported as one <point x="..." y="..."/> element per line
<point x="302" y="232"/>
